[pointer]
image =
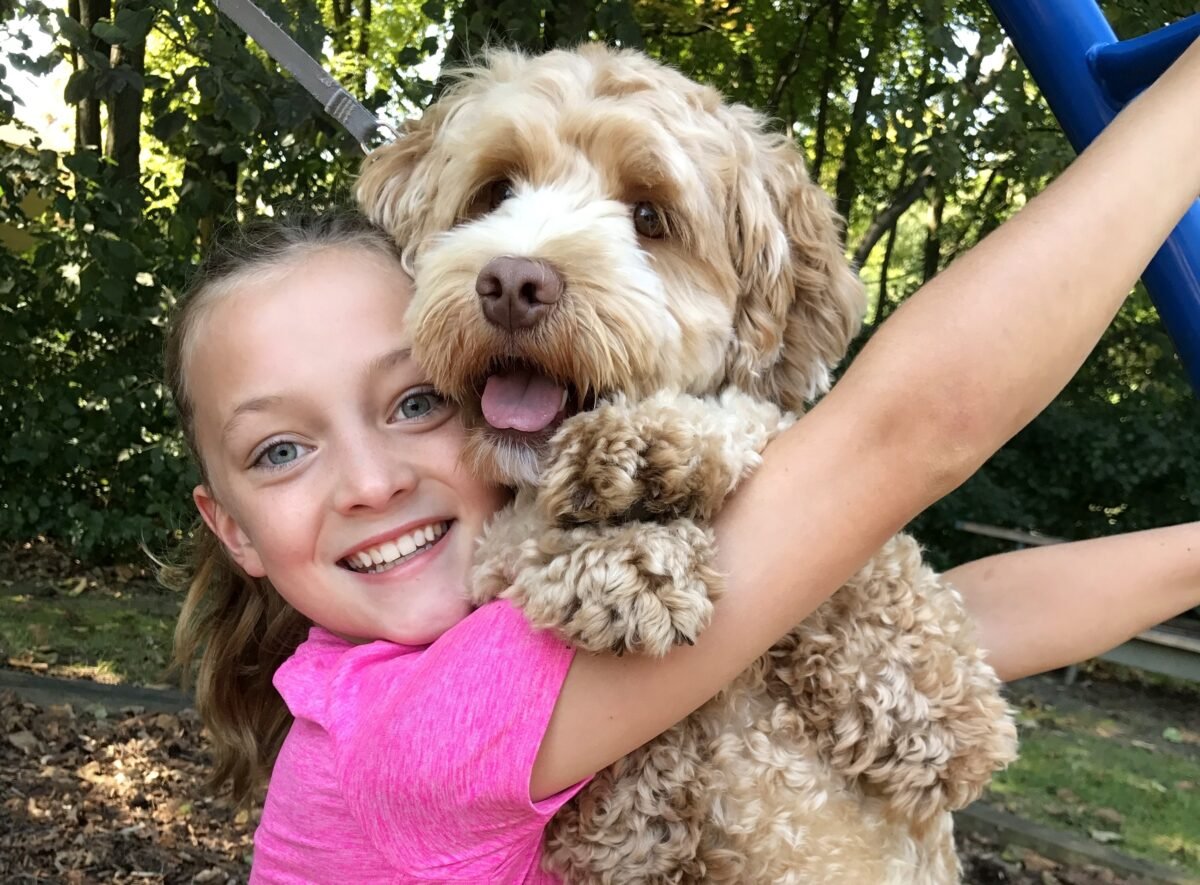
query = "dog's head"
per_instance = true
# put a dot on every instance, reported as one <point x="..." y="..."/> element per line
<point x="590" y="222"/>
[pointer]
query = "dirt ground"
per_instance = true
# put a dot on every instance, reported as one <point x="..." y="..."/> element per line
<point x="98" y="795"/>
<point x="111" y="796"/>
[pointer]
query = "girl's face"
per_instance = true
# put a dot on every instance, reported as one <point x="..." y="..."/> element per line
<point x="333" y="467"/>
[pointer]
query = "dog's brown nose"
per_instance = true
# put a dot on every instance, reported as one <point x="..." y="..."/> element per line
<point x="517" y="293"/>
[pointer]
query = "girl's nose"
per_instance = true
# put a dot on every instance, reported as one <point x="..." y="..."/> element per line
<point x="372" y="474"/>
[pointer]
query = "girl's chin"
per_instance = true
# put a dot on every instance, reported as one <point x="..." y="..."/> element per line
<point x="429" y="627"/>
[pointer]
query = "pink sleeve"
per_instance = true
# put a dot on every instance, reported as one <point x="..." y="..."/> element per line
<point x="436" y="764"/>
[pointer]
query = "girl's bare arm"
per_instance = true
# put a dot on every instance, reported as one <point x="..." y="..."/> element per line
<point x="1048" y="607"/>
<point x="951" y="376"/>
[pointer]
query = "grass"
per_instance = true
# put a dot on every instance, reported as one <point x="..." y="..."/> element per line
<point x="1088" y="773"/>
<point x="1082" y="767"/>
<point x="109" y="632"/>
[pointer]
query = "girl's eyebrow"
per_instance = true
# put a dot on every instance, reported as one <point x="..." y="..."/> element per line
<point x="388" y="360"/>
<point x="261" y="403"/>
<point x="258" y="404"/>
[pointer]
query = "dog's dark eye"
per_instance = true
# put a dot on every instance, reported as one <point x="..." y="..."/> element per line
<point x="498" y="192"/>
<point x="648" y="221"/>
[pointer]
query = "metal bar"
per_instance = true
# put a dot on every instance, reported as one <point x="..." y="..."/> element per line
<point x="1149" y="655"/>
<point x="1124" y="69"/>
<point x="336" y="101"/>
<point x="1058" y="41"/>
<point x="1032" y="539"/>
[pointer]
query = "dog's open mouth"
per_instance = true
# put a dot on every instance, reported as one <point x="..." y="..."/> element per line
<point x="517" y="398"/>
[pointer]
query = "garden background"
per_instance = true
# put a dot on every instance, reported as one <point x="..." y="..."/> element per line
<point x="130" y="130"/>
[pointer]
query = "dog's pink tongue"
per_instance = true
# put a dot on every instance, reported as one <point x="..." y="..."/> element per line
<point x="521" y="401"/>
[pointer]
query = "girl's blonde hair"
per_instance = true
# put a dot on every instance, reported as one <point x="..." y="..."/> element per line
<point x="234" y="630"/>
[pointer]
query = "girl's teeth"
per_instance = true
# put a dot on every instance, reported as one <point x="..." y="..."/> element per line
<point x="389" y="552"/>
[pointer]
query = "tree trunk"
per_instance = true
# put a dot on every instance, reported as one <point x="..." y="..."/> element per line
<point x="340" y="33"/>
<point x="883" y="305"/>
<point x="846" y="185"/>
<point x="933" y="239"/>
<point x="886" y="219"/>
<point x="124" y="137"/>
<point x="88" y="133"/>
<point x="832" y="69"/>
<point x="364" y="45"/>
<point x="796" y="59"/>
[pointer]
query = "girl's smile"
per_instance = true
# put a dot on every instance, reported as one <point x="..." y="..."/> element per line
<point x="332" y="465"/>
<point x="380" y="555"/>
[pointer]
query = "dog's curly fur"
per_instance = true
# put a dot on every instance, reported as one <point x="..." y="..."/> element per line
<point x="838" y="756"/>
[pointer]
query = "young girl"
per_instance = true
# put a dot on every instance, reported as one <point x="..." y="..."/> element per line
<point x="432" y="743"/>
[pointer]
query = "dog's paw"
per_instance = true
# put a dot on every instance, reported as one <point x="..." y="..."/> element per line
<point x="665" y="457"/>
<point x="635" y="587"/>
<point x="592" y="473"/>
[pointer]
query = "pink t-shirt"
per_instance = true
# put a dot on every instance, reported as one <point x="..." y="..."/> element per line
<point x="412" y="764"/>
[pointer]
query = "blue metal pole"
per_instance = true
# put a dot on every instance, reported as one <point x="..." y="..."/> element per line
<point x="1086" y="76"/>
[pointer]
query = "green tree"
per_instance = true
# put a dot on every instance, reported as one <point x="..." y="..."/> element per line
<point x="917" y="117"/>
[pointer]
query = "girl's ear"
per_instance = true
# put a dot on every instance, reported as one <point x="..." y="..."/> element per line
<point x="222" y="524"/>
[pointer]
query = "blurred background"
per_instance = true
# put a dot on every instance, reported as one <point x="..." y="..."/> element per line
<point x="130" y="130"/>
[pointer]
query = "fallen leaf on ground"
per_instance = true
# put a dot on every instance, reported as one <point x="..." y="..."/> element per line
<point x="1109" y="814"/>
<point x="24" y="741"/>
<point x="1036" y="863"/>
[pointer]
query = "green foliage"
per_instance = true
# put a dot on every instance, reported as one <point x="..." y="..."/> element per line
<point x="916" y="116"/>
<point x="93" y="456"/>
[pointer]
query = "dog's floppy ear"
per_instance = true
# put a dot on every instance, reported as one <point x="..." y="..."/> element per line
<point x="395" y="188"/>
<point x="800" y="302"/>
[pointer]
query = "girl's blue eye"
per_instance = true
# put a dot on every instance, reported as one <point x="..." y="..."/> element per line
<point x="419" y="404"/>
<point x="279" y="454"/>
<point x="282" y="453"/>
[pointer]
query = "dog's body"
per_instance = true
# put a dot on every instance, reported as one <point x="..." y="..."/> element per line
<point x="593" y="229"/>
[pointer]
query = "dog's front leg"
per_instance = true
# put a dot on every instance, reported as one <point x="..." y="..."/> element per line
<point x="667" y="456"/>
<point x="616" y="555"/>
<point x="615" y="588"/>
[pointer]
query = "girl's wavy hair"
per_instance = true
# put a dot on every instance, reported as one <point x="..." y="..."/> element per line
<point x="234" y="630"/>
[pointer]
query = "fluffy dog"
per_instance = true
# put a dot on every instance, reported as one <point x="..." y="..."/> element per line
<point x="631" y="285"/>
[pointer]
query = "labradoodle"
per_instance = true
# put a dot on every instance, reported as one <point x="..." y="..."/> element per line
<point x="631" y="286"/>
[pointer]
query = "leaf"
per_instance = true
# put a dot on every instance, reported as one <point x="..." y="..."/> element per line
<point x="243" y="115"/>
<point x="72" y="31"/>
<point x="126" y="77"/>
<point x="110" y="33"/>
<point x="24" y="741"/>
<point x="1109" y="815"/>
<point x="169" y="125"/>
<point x="1172" y="734"/>
<point x="80" y="85"/>
<point x="135" y="23"/>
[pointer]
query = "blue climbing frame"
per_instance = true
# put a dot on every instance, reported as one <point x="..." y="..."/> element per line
<point x="1087" y="75"/>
